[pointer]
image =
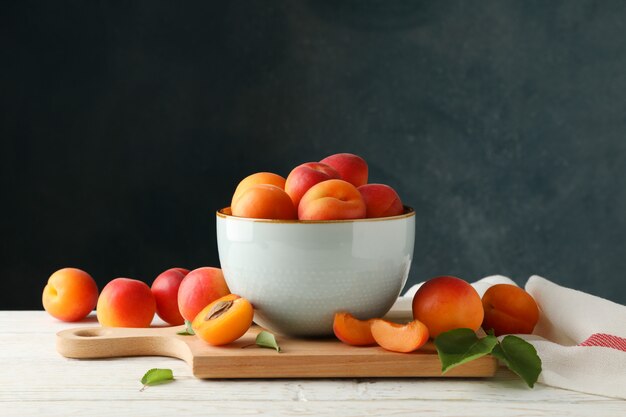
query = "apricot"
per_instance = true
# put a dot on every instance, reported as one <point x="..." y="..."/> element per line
<point x="255" y="179"/>
<point x="332" y="200"/>
<point x="381" y="200"/>
<point x="224" y="320"/>
<point x="351" y="168"/>
<point x="126" y="302"/>
<point x="305" y="176"/>
<point x="165" y="290"/>
<point x="263" y="201"/>
<point x="446" y="303"/>
<point x="401" y="338"/>
<point x="353" y="331"/>
<point x="509" y="310"/>
<point x="70" y="294"/>
<point x="199" y="288"/>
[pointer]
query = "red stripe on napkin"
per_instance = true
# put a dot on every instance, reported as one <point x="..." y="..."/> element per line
<point x="605" y="340"/>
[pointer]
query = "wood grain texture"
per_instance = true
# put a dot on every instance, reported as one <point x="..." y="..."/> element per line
<point x="300" y="358"/>
<point x="36" y="380"/>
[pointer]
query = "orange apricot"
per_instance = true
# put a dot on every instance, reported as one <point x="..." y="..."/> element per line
<point x="401" y="338"/>
<point x="70" y="294"/>
<point x="224" y="320"/>
<point x="263" y="201"/>
<point x="332" y="200"/>
<point x="509" y="310"/>
<point x="446" y="303"/>
<point x="353" y="331"/>
<point x="255" y="179"/>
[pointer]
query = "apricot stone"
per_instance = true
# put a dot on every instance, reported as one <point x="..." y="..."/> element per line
<point x="224" y="320"/>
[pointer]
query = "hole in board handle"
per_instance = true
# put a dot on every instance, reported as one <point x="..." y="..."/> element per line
<point x="91" y="333"/>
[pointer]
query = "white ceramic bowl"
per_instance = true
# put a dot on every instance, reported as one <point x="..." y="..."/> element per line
<point x="297" y="274"/>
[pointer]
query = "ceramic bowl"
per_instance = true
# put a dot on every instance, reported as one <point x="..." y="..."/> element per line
<point x="297" y="274"/>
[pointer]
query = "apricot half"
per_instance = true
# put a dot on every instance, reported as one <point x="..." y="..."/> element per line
<point x="353" y="331"/>
<point x="224" y="320"/>
<point x="509" y="310"/>
<point x="401" y="338"/>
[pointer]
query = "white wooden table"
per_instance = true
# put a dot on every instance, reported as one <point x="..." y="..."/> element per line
<point x="35" y="380"/>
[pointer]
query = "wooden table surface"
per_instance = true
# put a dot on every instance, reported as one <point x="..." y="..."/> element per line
<point x="35" y="380"/>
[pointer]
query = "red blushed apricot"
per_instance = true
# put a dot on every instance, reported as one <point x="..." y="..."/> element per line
<point x="126" y="302"/>
<point x="198" y="289"/>
<point x="264" y="201"/>
<point x="255" y="179"/>
<point x="447" y="303"/>
<point x="509" y="310"/>
<point x="353" y="331"/>
<point x="351" y="168"/>
<point x="332" y="200"/>
<point x="165" y="290"/>
<point x="70" y="294"/>
<point x="224" y="320"/>
<point x="381" y="200"/>
<point x="401" y="338"/>
<point x="305" y="176"/>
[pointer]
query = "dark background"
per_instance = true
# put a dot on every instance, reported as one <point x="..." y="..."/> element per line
<point x="125" y="125"/>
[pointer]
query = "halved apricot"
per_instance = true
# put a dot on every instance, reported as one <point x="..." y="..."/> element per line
<point x="402" y="338"/>
<point x="353" y="331"/>
<point x="224" y="320"/>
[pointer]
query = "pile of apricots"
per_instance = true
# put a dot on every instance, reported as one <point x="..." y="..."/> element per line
<point x="200" y="296"/>
<point x="218" y="317"/>
<point x="335" y="188"/>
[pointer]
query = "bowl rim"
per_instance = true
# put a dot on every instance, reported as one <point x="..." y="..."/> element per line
<point x="225" y="213"/>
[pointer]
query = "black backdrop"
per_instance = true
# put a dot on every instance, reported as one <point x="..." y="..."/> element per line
<point x="125" y="125"/>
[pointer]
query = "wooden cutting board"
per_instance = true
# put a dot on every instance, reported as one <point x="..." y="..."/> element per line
<point x="300" y="358"/>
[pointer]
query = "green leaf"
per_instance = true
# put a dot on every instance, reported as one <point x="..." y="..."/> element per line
<point x="459" y="346"/>
<point x="188" y="330"/>
<point x="157" y="376"/>
<point x="267" y="340"/>
<point x="521" y="358"/>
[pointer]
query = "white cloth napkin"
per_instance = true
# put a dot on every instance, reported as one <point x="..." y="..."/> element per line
<point x="580" y="338"/>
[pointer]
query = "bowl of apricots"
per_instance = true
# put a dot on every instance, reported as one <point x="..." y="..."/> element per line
<point x="320" y="241"/>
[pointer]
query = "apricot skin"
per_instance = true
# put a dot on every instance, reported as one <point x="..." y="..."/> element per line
<point x="446" y="303"/>
<point x="199" y="288"/>
<point x="70" y="294"/>
<point x="255" y="179"/>
<point x="165" y="290"/>
<point x="351" y="168"/>
<point x="263" y="201"/>
<point x="381" y="200"/>
<point x="126" y="302"/>
<point x="403" y="338"/>
<point x="353" y="331"/>
<point x="227" y="326"/>
<point x="305" y="176"/>
<point x="332" y="200"/>
<point x="509" y="310"/>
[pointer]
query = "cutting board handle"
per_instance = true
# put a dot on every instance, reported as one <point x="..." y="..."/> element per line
<point x="107" y="342"/>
